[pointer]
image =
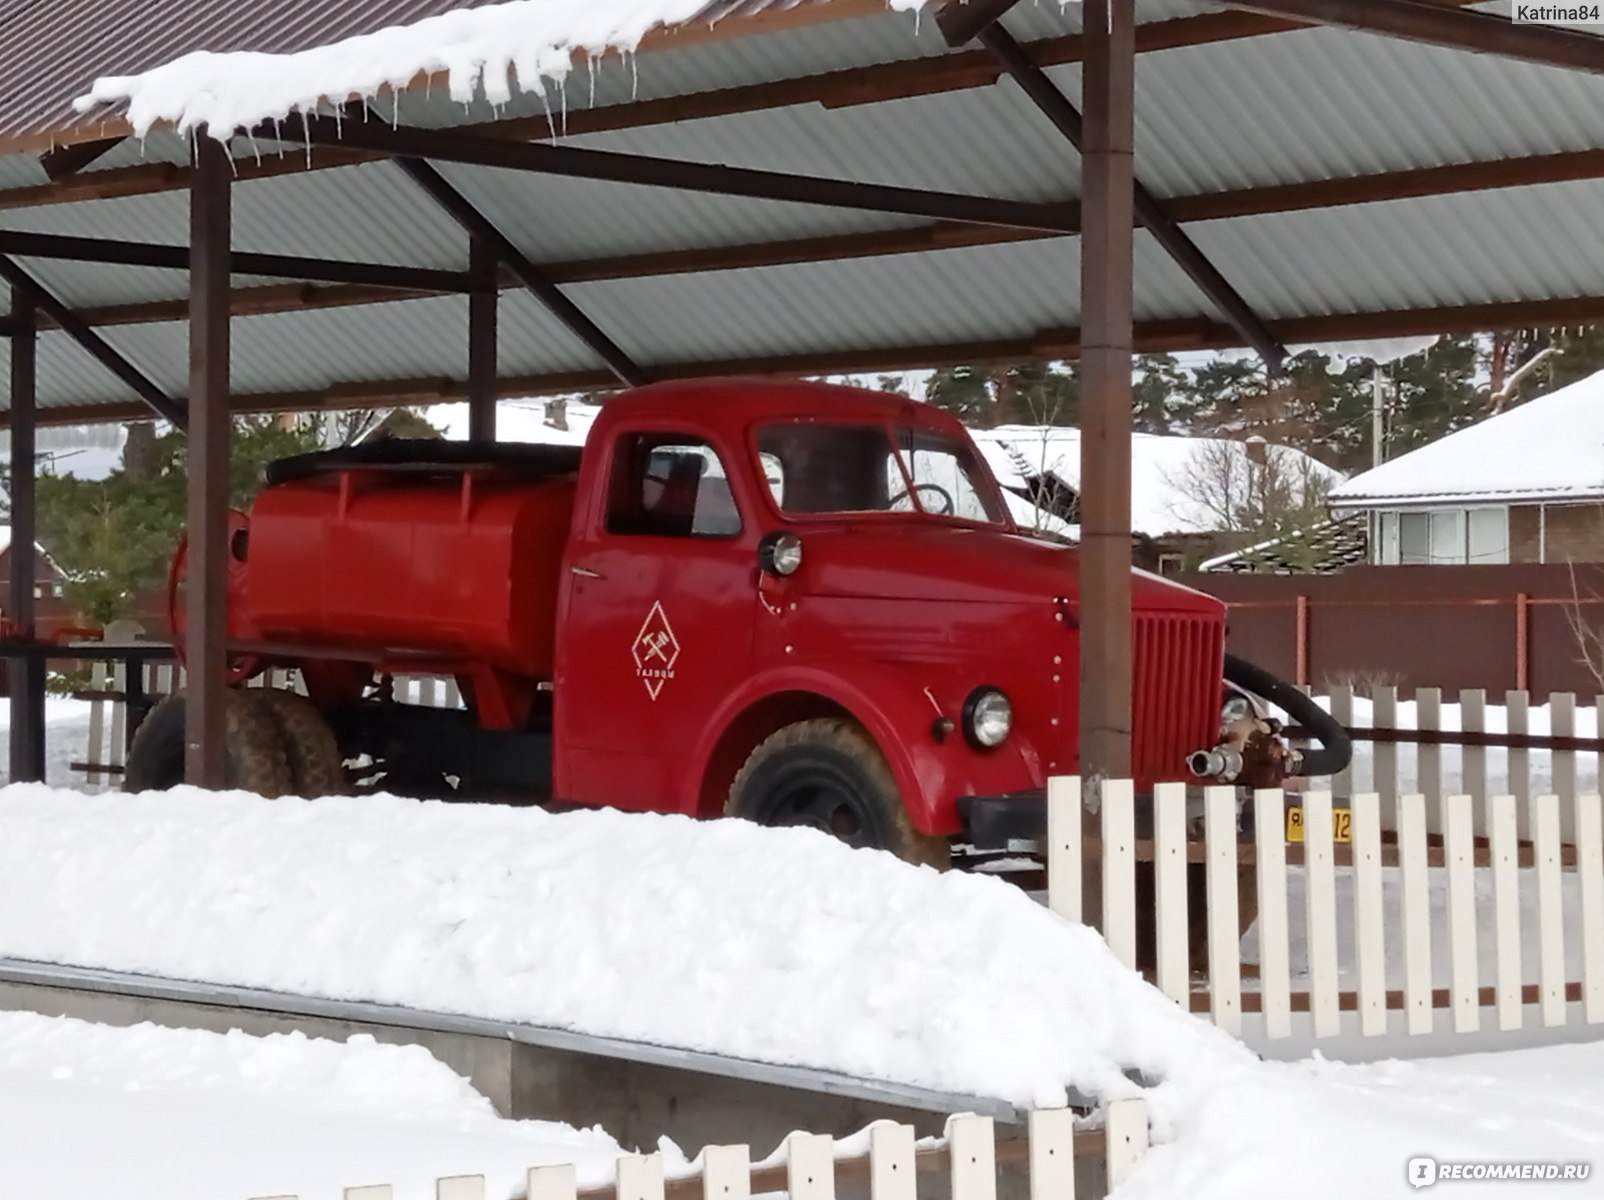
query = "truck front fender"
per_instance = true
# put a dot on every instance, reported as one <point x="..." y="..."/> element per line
<point x="890" y="705"/>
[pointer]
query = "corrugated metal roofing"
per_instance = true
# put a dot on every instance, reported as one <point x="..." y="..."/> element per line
<point x="1292" y="107"/>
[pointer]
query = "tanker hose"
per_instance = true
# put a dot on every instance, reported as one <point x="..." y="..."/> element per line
<point x="1337" y="746"/>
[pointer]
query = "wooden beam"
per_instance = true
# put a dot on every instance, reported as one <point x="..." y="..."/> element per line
<point x="68" y="160"/>
<point x="25" y="676"/>
<point x="831" y="89"/>
<point x="483" y="303"/>
<point x="91" y="342"/>
<point x="1170" y="335"/>
<point x="551" y="297"/>
<point x="1108" y="91"/>
<point x="1436" y="25"/>
<point x="210" y="419"/>
<point x="23" y="244"/>
<point x="1150" y="211"/>
<point x="448" y="145"/>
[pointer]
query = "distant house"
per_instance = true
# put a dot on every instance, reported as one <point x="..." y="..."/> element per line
<point x="1525" y="486"/>
<point x="1182" y="488"/>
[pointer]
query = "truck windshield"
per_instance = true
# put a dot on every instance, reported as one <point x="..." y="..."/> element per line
<point x="817" y="468"/>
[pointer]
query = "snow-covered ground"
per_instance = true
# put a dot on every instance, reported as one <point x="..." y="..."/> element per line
<point x="66" y="741"/>
<point x="165" y="1114"/>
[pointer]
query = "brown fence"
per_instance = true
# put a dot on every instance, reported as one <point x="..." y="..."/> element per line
<point x="1496" y="628"/>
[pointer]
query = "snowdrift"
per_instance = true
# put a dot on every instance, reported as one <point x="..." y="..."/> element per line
<point x="775" y="945"/>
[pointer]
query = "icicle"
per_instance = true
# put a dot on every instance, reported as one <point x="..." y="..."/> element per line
<point x="917" y="14"/>
<point x="256" y="148"/>
<point x="278" y="136"/>
<point x="590" y="61"/>
<point x="562" y="95"/>
<point x="634" y="77"/>
<point x="306" y="128"/>
<point x="545" y="103"/>
<point x="339" y="126"/>
<point x="395" y="109"/>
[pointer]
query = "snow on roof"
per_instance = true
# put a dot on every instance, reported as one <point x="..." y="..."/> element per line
<point x="491" y="51"/>
<point x="1162" y="491"/>
<point x="1549" y="448"/>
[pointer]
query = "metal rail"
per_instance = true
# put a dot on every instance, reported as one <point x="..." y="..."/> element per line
<point x="805" y="1079"/>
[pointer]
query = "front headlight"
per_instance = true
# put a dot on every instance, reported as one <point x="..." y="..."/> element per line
<point x="988" y="718"/>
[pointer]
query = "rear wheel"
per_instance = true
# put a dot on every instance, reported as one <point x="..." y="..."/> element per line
<point x="256" y="758"/>
<point x="829" y="775"/>
<point x="317" y="768"/>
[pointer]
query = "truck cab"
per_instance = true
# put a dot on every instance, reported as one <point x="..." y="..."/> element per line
<point x="791" y="602"/>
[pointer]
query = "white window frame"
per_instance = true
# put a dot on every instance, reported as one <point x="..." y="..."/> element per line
<point x="1452" y="520"/>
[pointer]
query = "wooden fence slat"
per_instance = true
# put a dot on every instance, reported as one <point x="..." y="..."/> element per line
<point x="1562" y="723"/>
<point x="453" y="697"/>
<point x="1052" y="1154"/>
<point x="460" y="1187"/>
<point x="972" y="1147"/>
<point x="1416" y="911"/>
<point x="1473" y="759"/>
<point x="371" y="1191"/>
<point x="1459" y="843"/>
<point x="1125" y="1129"/>
<point x="891" y="1162"/>
<point x="119" y="717"/>
<point x="1225" y="939"/>
<point x="1320" y="870"/>
<point x="1368" y="916"/>
<point x="809" y="1168"/>
<point x="1506" y="909"/>
<point x="1275" y="958"/>
<point x="727" y="1172"/>
<point x="556" y="1182"/>
<point x="1119" y="868"/>
<point x="1550" y="909"/>
<point x="640" y="1177"/>
<point x="1516" y="719"/>
<point x="1590" y="877"/>
<point x="1384" y="755"/>
<point x="1064" y="846"/>
<point x="1342" y="713"/>
<point x="1428" y="759"/>
<point x="1174" y="964"/>
<point x="95" y="753"/>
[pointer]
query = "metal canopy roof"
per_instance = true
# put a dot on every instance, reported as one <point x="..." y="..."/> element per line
<point x="1346" y="185"/>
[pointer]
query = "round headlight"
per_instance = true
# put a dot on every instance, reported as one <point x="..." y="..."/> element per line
<point x="780" y="553"/>
<point x="988" y="718"/>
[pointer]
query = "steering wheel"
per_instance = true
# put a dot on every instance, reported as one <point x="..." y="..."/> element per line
<point x="950" y="506"/>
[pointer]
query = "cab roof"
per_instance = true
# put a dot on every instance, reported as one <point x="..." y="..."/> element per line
<point x="742" y="401"/>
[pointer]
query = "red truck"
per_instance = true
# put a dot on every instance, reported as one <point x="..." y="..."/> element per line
<point x="790" y="602"/>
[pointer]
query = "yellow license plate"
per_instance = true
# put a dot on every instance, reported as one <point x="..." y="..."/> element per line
<point x="1341" y="825"/>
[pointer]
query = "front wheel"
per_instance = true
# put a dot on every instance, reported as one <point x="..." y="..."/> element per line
<point x="255" y="752"/>
<point x="829" y="775"/>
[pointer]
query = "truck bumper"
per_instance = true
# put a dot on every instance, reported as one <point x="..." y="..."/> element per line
<point x="991" y="822"/>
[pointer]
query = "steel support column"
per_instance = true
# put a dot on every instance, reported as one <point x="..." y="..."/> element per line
<point x="484" y="266"/>
<point x="1108" y="101"/>
<point x="26" y="675"/>
<point x="206" y="599"/>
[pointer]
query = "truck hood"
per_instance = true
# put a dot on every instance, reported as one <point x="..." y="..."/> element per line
<point x="961" y="564"/>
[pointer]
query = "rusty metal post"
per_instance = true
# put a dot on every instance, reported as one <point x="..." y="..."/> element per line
<point x="483" y="302"/>
<point x="1108" y="100"/>
<point x="27" y="675"/>
<point x="206" y="597"/>
<point x="1301" y="670"/>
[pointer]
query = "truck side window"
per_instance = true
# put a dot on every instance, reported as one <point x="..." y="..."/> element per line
<point x="670" y="485"/>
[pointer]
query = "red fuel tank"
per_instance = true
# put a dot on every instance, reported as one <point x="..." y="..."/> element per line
<point x="449" y="566"/>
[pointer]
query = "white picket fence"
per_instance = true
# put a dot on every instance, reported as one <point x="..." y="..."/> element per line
<point x="971" y="1156"/>
<point x="105" y="751"/>
<point x="1467" y="925"/>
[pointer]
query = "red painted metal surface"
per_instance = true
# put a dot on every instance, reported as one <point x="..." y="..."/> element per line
<point x="671" y="656"/>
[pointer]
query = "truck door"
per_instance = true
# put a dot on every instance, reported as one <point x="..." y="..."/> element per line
<point x="658" y="623"/>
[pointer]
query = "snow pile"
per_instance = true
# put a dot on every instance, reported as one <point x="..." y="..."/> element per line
<point x="776" y="945"/>
<point x="1549" y="448"/>
<point x="77" y="1100"/>
<point x="487" y="51"/>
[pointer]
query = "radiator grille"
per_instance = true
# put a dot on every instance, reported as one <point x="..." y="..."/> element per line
<point x="1176" y="701"/>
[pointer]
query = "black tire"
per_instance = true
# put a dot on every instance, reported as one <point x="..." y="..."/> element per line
<point x="829" y="775"/>
<point x="317" y="768"/>
<point x="256" y="759"/>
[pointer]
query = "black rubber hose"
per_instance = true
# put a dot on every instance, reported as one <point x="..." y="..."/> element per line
<point x="1336" y="746"/>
